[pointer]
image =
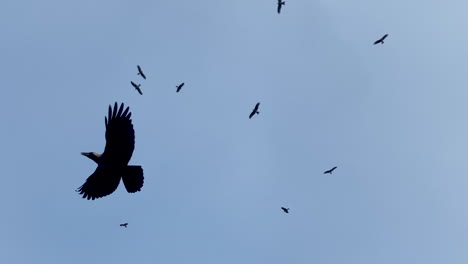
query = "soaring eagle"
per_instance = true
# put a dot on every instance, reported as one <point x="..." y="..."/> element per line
<point x="179" y="87"/>
<point x="113" y="163"/>
<point x="381" y="39"/>
<point x="137" y="87"/>
<point x="280" y="4"/>
<point x="140" y="72"/>
<point x="330" y="170"/>
<point x="255" y="111"/>
<point x="286" y="210"/>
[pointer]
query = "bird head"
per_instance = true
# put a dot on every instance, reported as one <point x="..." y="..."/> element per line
<point x="92" y="155"/>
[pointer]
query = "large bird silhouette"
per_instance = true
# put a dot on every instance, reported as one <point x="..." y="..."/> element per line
<point x="330" y="170"/>
<point x="140" y="72"/>
<point x="381" y="40"/>
<point x="179" y="87"/>
<point x="254" y="111"/>
<point x="137" y="87"/>
<point x="280" y="4"/>
<point x="286" y="210"/>
<point x="113" y="163"/>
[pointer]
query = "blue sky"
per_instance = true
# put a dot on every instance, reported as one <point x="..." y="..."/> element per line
<point x="392" y="117"/>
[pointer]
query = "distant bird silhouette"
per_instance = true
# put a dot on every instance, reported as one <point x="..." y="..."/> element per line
<point x="113" y="163"/>
<point x="330" y="171"/>
<point x="124" y="225"/>
<point x="140" y="72"/>
<point x="286" y="210"/>
<point x="137" y="87"/>
<point x="179" y="87"/>
<point x="255" y="111"/>
<point x="381" y="40"/>
<point x="280" y="4"/>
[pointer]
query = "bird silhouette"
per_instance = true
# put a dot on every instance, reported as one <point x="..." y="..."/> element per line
<point x="124" y="225"/>
<point x="286" y="210"/>
<point x="137" y="87"/>
<point x="280" y="4"/>
<point x="381" y="40"/>
<point x="330" y="170"/>
<point x="113" y="162"/>
<point x="254" y="111"/>
<point x="179" y="87"/>
<point x="140" y="72"/>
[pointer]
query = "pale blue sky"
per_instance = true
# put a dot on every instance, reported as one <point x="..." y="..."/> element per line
<point x="392" y="117"/>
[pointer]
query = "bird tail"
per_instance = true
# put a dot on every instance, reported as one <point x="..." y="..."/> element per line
<point x="132" y="178"/>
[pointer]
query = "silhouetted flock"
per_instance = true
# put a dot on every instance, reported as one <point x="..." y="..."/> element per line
<point x="120" y="143"/>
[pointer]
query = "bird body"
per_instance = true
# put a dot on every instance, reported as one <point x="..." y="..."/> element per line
<point x="179" y="87"/>
<point x="255" y="110"/>
<point x="113" y="162"/>
<point x="140" y="72"/>
<point x="124" y="225"/>
<point x="330" y="170"/>
<point x="381" y="40"/>
<point x="286" y="210"/>
<point x="280" y="4"/>
<point x="137" y="87"/>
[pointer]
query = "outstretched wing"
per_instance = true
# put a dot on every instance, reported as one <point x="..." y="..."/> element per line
<point x="101" y="183"/>
<point x="252" y="114"/>
<point x="279" y="7"/>
<point x="120" y="137"/>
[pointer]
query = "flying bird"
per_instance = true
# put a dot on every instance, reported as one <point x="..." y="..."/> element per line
<point x="124" y="225"/>
<point x="113" y="163"/>
<point x="137" y="87"/>
<point x="330" y="170"/>
<point x="286" y="210"/>
<point x="140" y="72"/>
<point x="381" y="40"/>
<point x="179" y="87"/>
<point x="280" y="4"/>
<point x="255" y="111"/>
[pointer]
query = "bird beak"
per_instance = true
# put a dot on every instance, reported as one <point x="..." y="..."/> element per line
<point x="84" y="153"/>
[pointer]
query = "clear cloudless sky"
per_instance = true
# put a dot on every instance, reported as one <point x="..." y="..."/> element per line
<point x="392" y="117"/>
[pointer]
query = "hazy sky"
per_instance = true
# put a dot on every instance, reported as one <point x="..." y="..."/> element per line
<point x="392" y="117"/>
